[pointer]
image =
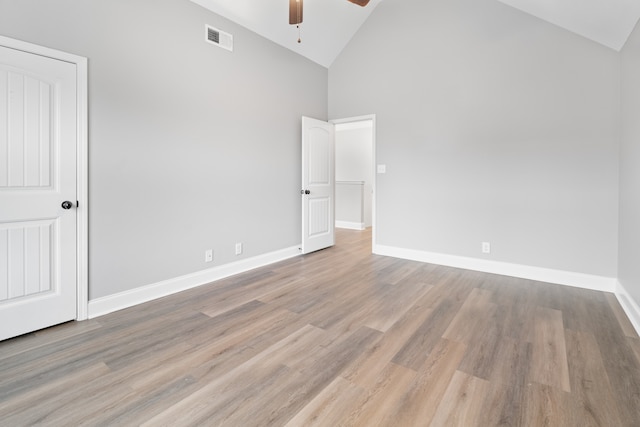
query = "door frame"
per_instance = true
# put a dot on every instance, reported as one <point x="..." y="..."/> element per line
<point x="372" y="117"/>
<point x="82" y="163"/>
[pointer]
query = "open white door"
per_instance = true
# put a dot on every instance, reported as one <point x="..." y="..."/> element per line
<point x="318" y="203"/>
<point x="38" y="132"/>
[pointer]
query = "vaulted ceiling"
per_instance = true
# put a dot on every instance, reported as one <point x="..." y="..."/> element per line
<point x="329" y="24"/>
<point x="608" y="22"/>
<point x="327" y="27"/>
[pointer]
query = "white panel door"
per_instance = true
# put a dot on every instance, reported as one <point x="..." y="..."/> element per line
<point x="37" y="174"/>
<point x="318" y="201"/>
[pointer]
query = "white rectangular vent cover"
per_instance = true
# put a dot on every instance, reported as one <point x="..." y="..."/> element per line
<point x="219" y="38"/>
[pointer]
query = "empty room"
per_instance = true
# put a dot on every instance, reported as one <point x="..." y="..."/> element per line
<point x="319" y="212"/>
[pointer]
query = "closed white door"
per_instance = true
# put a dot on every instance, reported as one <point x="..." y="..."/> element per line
<point x="318" y="185"/>
<point x="37" y="175"/>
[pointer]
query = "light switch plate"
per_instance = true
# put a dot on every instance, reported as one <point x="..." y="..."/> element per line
<point x="382" y="168"/>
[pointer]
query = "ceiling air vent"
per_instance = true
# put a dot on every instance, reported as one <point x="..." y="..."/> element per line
<point x="219" y="38"/>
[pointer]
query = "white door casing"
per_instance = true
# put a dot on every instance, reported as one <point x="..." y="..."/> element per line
<point x="318" y="185"/>
<point x="39" y="132"/>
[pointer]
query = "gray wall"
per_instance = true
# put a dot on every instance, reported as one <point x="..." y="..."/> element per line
<point x="191" y="147"/>
<point x="494" y="126"/>
<point x="629" y="267"/>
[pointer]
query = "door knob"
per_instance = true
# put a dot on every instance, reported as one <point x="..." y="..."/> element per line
<point x="307" y="192"/>
<point x="67" y="204"/>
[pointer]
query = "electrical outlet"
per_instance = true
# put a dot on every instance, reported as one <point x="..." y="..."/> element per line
<point x="238" y="248"/>
<point x="486" y="247"/>
<point x="208" y="255"/>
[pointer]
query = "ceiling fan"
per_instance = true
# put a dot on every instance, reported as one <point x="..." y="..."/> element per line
<point x="295" y="11"/>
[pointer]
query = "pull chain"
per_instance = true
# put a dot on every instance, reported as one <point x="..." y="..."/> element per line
<point x="298" y="26"/>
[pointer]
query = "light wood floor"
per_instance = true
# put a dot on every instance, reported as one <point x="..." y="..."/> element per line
<point x="339" y="337"/>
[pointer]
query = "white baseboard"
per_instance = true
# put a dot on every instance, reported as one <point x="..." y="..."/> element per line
<point x="350" y="225"/>
<point x="579" y="280"/>
<point x="119" y="301"/>
<point x="630" y="307"/>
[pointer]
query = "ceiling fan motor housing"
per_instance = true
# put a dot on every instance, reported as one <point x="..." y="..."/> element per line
<point x="295" y="10"/>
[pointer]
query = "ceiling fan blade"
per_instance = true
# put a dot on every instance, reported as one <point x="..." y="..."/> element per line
<point x="295" y="12"/>
<point x="362" y="3"/>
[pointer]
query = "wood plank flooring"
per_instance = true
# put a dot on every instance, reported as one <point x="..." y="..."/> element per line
<point x="340" y="337"/>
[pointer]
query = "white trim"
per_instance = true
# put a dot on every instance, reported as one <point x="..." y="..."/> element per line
<point x="83" y="190"/>
<point x="363" y="124"/>
<point x="350" y="225"/>
<point x="561" y="277"/>
<point x="630" y="307"/>
<point x="122" y="300"/>
<point x="82" y="165"/>
<point x="374" y="192"/>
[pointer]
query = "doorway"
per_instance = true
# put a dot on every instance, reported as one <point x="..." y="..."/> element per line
<point x="354" y="173"/>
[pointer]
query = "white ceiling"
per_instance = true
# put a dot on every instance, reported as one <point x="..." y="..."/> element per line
<point x="329" y="24"/>
<point x="608" y="22"/>
<point x="327" y="27"/>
